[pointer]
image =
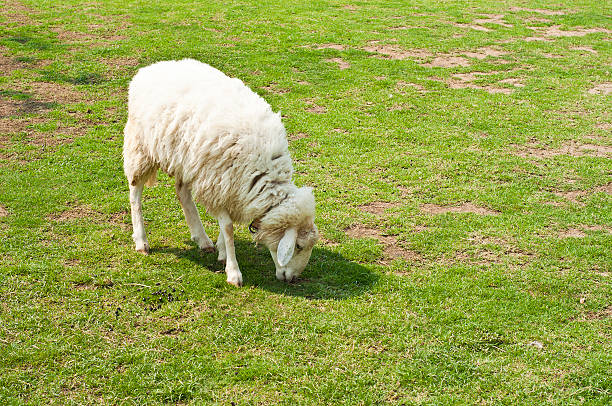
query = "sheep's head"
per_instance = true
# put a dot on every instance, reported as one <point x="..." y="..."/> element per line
<point x="290" y="234"/>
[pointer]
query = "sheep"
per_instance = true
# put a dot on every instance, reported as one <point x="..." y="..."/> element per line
<point x="224" y="146"/>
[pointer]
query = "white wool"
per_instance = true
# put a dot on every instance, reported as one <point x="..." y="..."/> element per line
<point x="213" y="133"/>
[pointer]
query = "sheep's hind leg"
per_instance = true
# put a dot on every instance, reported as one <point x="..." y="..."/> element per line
<point x="232" y="271"/>
<point x="139" y="235"/>
<point x="198" y="235"/>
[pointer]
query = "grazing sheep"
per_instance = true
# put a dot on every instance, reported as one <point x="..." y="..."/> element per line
<point x="223" y="143"/>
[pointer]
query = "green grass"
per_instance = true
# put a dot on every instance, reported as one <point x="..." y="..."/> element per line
<point x="511" y="307"/>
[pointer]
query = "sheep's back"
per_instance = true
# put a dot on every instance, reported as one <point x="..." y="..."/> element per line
<point x="210" y="131"/>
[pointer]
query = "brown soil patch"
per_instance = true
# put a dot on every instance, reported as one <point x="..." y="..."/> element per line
<point x="570" y="148"/>
<point x="121" y="62"/>
<point x="313" y="108"/>
<point x="605" y="313"/>
<point x="463" y="208"/>
<point x="378" y="207"/>
<point x="556" y="32"/>
<point x="53" y="92"/>
<point x="391" y="249"/>
<point x="485" y="52"/>
<point x="271" y="88"/>
<point x="585" y="49"/>
<point x="492" y="19"/>
<point x="3" y="211"/>
<point x="464" y="82"/>
<point x="8" y="64"/>
<point x="604" y="126"/>
<point x="342" y="64"/>
<point x="540" y="11"/>
<point x="471" y="26"/>
<point x="575" y="196"/>
<point x="298" y="136"/>
<point x="579" y="232"/>
<point x="16" y="13"/>
<point x="395" y="52"/>
<point x="447" y="62"/>
<point x="603" y="88"/>
<point x="337" y="47"/>
<point x="85" y="211"/>
<point x="512" y="81"/>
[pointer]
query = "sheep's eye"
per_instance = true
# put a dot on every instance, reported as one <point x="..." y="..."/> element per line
<point x="298" y="247"/>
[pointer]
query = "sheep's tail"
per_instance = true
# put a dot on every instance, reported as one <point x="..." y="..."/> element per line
<point x="151" y="179"/>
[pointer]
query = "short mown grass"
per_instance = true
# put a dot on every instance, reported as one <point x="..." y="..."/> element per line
<point x="460" y="155"/>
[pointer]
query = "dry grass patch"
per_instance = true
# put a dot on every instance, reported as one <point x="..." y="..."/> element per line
<point x="602" y="88"/>
<point x="447" y="61"/>
<point x="585" y="49"/>
<point x="314" y="108"/>
<point x="337" y="47"/>
<point x="378" y="207"/>
<point x="395" y="52"/>
<point x="272" y="88"/>
<point x="463" y="208"/>
<point x="605" y="313"/>
<point x="570" y="148"/>
<point x="540" y="11"/>
<point x="391" y="249"/>
<point x="485" y="52"/>
<point x="579" y="232"/>
<point x="492" y="19"/>
<point x="76" y="212"/>
<point x="3" y="211"/>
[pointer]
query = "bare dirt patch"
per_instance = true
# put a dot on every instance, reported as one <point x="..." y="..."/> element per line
<point x="605" y="313"/>
<point x="297" y="136"/>
<point x="585" y="49"/>
<point x="570" y="148"/>
<point x="342" y="64"/>
<point x="492" y="19"/>
<point x="471" y="26"/>
<point x="579" y="232"/>
<point x="337" y="47"/>
<point x="3" y="211"/>
<point x="76" y="212"/>
<point x="485" y="52"/>
<point x="395" y="52"/>
<point x="9" y="64"/>
<point x="378" y="207"/>
<point x="464" y="81"/>
<point x="603" y="88"/>
<point x="555" y="31"/>
<point x="272" y="88"/>
<point x="447" y="61"/>
<point x="16" y="13"/>
<point x="314" y="108"/>
<point x="463" y="208"/>
<point x="391" y="249"/>
<point x="540" y="11"/>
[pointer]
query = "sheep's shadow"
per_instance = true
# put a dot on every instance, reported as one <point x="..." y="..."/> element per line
<point x="328" y="275"/>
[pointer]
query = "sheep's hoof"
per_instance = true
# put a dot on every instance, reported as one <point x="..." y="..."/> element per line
<point x="144" y="251"/>
<point x="237" y="284"/>
<point x="209" y="250"/>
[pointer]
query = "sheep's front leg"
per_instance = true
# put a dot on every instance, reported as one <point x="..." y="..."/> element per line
<point x="198" y="235"/>
<point x="139" y="235"/>
<point x="221" y="247"/>
<point x="232" y="271"/>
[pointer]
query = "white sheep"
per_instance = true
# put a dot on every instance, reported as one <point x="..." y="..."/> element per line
<point x="223" y="143"/>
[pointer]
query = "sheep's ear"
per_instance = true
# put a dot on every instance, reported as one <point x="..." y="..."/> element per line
<point x="286" y="246"/>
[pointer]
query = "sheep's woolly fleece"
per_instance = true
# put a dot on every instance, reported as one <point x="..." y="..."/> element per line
<point x="213" y="133"/>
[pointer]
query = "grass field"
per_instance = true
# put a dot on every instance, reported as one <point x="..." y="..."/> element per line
<point x="460" y="153"/>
